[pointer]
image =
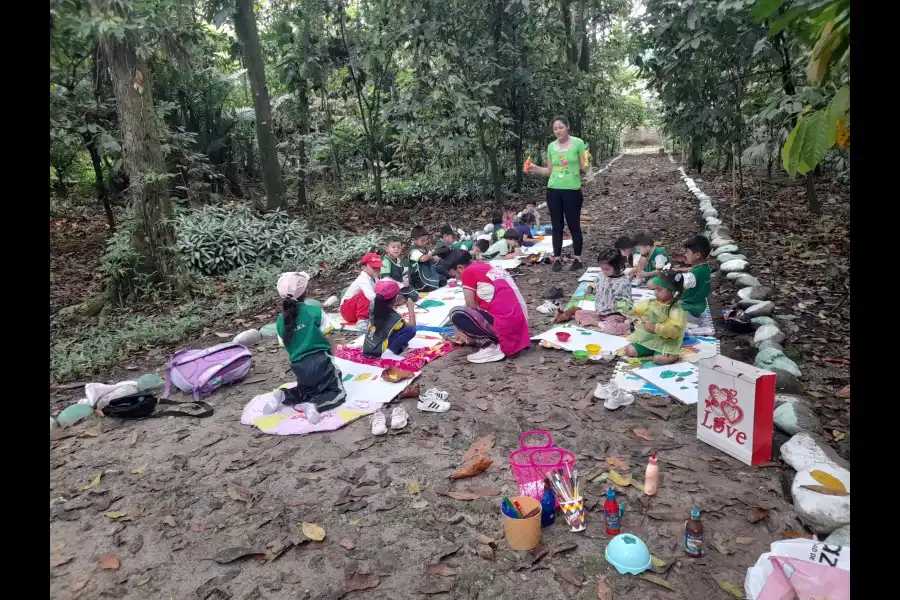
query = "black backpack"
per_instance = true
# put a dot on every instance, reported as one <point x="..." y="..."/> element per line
<point x="142" y="406"/>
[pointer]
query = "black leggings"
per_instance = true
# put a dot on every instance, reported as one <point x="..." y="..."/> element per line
<point x="565" y="204"/>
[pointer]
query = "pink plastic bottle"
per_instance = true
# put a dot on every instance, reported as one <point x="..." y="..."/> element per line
<point x="651" y="477"/>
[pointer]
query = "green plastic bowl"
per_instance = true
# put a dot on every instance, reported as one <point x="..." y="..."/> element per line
<point x="580" y="354"/>
<point x="628" y="554"/>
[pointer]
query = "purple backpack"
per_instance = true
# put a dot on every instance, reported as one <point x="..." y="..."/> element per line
<point x="203" y="371"/>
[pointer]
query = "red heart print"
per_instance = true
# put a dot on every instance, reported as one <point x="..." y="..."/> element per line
<point x="733" y="413"/>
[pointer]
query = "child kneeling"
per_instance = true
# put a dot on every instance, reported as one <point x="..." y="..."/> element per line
<point x="660" y="330"/>
<point x="387" y="329"/>
<point x="300" y="327"/>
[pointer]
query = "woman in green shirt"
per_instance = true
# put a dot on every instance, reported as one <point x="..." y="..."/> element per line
<point x="565" y="163"/>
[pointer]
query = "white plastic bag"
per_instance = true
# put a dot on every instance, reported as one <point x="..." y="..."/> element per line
<point x="100" y="394"/>
<point x="809" y="550"/>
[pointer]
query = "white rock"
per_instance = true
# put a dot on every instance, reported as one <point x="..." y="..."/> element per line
<point x="768" y="333"/>
<point x="788" y="399"/>
<point x="728" y="256"/>
<point x="489" y="228"/>
<point x="804" y="450"/>
<point x="713" y="221"/>
<point x="784" y="363"/>
<point x="770" y="344"/>
<point x="721" y="241"/>
<point x="765" y="357"/>
<point x="711" y="212"/>
<point x="332" y="301"/>
<point x="822" y="513"/>
<point x="753" y="293"/>
<point x="734" y="276"/>
<point x="746" y="281"/>
<point x="748" y="303"/>
<point x="763" y="309"/>
<point x="792" y="418"/>
<point x="839" y="537"/>
<point x="725" y="249"/>
<point x="760" y="321"/>
<point x="53" y="424"/>
<point x="733" y="265"/>
<point x="251" y="337"/>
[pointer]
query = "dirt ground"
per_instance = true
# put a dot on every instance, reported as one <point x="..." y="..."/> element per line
<point x="176" y="493"/>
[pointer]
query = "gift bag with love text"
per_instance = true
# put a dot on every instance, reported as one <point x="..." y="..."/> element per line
<point x="736" y="408"/>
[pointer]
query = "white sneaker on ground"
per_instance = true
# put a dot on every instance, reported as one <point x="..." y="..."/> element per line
<point x="548" y="308"/>
<point x="433" y="401"/>
<point x="399" y="417"/>
<point x="378" y="424"/>
<point x="487" y="354"/>
<point x="605" y="391"/>
<point x="619" y="399"/>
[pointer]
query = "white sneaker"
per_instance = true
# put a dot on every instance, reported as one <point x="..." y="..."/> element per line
<point x="548" y="308"/>
<point x="378" y="425"/>
<point x="619" y="399"/>
<point x="312" y="413"/>
<point x="275" y="403"/>
<point x="399" y="417"/>
<point x="433" y="401"/>
<point x="605" y="391"/>
<point x="487" y="354"/>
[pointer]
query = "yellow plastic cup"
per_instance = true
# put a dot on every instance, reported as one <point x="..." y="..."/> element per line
<point x="593" y="349"/>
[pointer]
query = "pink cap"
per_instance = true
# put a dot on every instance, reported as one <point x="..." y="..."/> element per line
<point x="293" y="284"/>
<point x="387" y="288"/>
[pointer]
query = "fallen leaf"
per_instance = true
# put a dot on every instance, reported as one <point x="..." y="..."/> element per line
<point x="600" y="477"/>
<point x="115" y="514"/>
<point x="58" y="561"/>
<point x="755" y="515"/>
<point x="222" y="335"/>
<point x="447" y="551"/>
<point x="718" y="542"/>
<point x="94" y="483"/>
<point x="656" y="562"/>
<point x="412" y="486"/>
<point x="618" y="463"/>
<point x="604" y="592"/>
<point x="82" y="581"/>
<point x="823" y="489"/>
<point x="134" y="437"/>
<point x="480" y="446"/>
<point x="442" y="570"/>
<point x="643" y="434"/>
<point x="838" y="436"/>
<point x="619" y="480"/>
<point x="829" y="481"/>
<point x="731" y="589"/>
<point x="472" y="494"/>
<point x="312" y="531"/>
<point x="743" y="541"/>
<point x="358" y="581"/>
<point x="109" y="561"/>
<point x="138" y="470"/>
<point x="666" y="515"/>
<point x="347" y="544"/>
<point x="238" y="493"/>
<point x="568" y="575"/>
<point x="229" y="555"/>
<point x="637" y="485"/>
<point x="485" y="551"/>
<point x="657" y="580"/>
<point x="473" y="467"/>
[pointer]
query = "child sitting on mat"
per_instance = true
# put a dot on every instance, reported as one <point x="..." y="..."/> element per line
<point x="357" y="298"/>
<point x="625" y="246"/>
<point x="613" y="297"/>
<point x="299" y="326"/>
<point x="524" y="229"/>
<point x="696" y="277"/>
<point x="659" y="330"/>
<point x="497" y="224"/>
<point x="423" y="275"/>
<point x="387" y="329"/>
<point x="507" y="247"/>
<point x="531" y="208"/>
<point x="395" y="265"/>
<point x="652" y="259"/>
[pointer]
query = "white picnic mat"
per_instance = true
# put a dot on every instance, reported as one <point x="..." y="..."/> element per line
<point x="581" y="337"/>
<point x="544" y="247"/>
<point x="506" y="263"/>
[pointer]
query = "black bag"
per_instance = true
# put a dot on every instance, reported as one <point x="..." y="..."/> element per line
<point x="142" y="406"/>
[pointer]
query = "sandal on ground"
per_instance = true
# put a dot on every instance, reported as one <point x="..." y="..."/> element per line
<point x="399" y="417"/>
<point x="378" y="423"/>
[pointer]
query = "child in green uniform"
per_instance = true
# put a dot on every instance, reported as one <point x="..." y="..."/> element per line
<point x="300" y="327"/>
<point x="424" y="275"/>
<point x="696" y="277"/>
<point x="652" y="258"/>
<point x="394" y="265"/>
<point x="497" y="222"/>
<point x="660" y="330"/>
<point x="507" y="247"/>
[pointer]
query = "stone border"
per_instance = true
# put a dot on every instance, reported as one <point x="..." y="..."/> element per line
<point x="752" y="296"/>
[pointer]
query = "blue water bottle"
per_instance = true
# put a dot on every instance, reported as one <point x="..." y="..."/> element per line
<point x="548" y="507"/>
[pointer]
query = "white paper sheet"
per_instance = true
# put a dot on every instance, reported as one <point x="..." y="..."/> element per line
<point x="581" y="337"/>
<point x="679" y="380"/>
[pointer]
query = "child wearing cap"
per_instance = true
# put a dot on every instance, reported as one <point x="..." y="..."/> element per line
<point x="359" y="296"/>
<point x="387" y="329"/>
<point x="302" y="328"/>
<point x="423" y="273"/>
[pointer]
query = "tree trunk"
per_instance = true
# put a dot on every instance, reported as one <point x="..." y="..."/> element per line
<point x="144" y="163"/>
<point x="490" y="152"/>
<point x="334" y="156"/>
<point x="245" y="28"/>
<point x="811" y="197"/>
<point x="100" y="183"/>
<point x="303" y="126"/>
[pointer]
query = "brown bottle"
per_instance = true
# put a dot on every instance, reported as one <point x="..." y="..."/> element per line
<point x="693" y="535"/>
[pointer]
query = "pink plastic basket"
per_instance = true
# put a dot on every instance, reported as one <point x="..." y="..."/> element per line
<point x="530" y="463"/>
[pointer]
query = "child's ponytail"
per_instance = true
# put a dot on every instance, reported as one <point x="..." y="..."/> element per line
<point x="289" y="312"/>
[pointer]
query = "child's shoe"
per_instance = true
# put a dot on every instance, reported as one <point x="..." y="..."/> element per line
<point x="618" y="399"/>
<point x="378" y="423"/>
<point x="399" y="417"/>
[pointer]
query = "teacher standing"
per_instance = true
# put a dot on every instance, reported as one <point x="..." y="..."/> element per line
<point x="565" y="164"/>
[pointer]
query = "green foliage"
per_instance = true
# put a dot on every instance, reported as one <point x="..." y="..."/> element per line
<point x="815" y="134"/>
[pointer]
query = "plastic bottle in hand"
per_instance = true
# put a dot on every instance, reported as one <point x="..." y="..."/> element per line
<point x="651" y="477"/>
<point x="527" y="166"/>
<point x="613" y="513"/>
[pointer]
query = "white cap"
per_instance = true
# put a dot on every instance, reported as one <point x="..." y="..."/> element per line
<point x="293" y="284"/>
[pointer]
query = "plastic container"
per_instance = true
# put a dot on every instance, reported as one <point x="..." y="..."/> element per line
<point x="574" y="513"/>
<point x="548" y="506"/>
<point x="651" y="477"/>
<point x="563" y="336"/>
<point x="523" y="534"/>
<point x="693" y="535"/>
<point x="530" y="463"/>
<point x="612" y="510"/>
<point x="593" y="349"/>
<point x="580" y="356"/>
<point x="628" y="554"/>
